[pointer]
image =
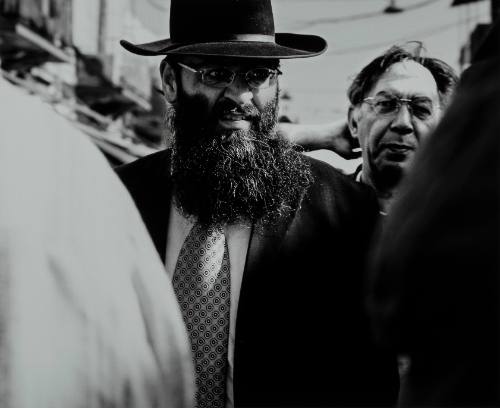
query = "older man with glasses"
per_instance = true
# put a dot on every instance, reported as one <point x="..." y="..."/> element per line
<point x="396" y="102"/>
<point x="264" y="246"/>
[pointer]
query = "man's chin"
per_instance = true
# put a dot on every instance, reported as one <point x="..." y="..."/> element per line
<point x="393" y="165"/>
<point x="233" y="125"/>
<point x="388" y="174"/>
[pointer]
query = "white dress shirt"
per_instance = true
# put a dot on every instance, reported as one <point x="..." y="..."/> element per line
<point x="237" y="238"/>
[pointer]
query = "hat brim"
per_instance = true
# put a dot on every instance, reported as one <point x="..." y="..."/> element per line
<point x="286" y="45"/>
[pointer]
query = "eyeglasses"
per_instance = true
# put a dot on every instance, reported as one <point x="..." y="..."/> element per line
<point x="387" y="105"/>
<point x="256" y="78"/>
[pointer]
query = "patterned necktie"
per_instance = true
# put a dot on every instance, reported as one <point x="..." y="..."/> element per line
<point x="202" y="284"/>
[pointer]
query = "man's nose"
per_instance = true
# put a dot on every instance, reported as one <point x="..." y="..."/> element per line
<point x="402" y="122"/>
<point x="239" y="91"/>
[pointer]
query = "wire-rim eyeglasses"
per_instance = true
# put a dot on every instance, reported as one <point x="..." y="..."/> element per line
<point x="388" y="105"/>
<point x="221" y="77"/>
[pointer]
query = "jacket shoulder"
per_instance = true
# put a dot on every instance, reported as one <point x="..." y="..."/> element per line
<point x="138" y="172"/>
<point x="331" y="180"/>
<point x="338" y="197"/>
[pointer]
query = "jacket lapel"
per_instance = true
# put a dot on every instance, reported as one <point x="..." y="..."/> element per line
<point x="264" y="245"/>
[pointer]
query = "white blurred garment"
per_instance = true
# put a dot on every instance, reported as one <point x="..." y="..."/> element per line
<point x="88" y="317"/>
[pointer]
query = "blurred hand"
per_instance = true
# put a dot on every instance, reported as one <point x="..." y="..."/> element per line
<point x="334" y="136"/>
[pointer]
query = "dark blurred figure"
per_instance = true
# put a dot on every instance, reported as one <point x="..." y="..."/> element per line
<point x="434" y="294"/>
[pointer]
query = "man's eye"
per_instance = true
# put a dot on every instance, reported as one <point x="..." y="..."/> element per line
<point x="386" y="105"/>
<point x="421" y="110"/>
<point x="258" y="74"/>
<point x="218" y="75"/>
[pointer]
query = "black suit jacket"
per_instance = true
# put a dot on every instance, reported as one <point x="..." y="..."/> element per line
<point x="302" y="336"/>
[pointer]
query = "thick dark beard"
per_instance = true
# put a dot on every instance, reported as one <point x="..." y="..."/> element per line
<point x="234" y="177"/>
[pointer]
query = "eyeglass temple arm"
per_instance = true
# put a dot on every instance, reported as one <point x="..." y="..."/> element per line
<point x="372" y="98"/>
<point x="187" y="67"/>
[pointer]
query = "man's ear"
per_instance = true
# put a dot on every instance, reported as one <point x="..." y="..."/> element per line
<point x="352" y="120"/>
<point x="169" y="81"/>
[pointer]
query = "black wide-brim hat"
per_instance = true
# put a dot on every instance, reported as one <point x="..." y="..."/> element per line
<point x="228" y="28"/>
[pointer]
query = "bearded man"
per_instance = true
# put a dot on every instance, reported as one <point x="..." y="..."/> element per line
<point x="264" y="246"/>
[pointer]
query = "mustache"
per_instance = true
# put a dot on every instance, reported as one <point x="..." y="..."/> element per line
<point x="225" y="106"/>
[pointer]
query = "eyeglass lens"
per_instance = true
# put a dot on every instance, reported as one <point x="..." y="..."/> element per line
<point x="419" y="107"/>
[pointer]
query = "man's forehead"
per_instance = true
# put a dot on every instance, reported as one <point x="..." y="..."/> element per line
<point x="407" y="78"/>
<point x="228" y="61"/>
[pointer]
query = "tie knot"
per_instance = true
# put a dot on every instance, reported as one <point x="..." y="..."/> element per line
<point x="204" y="248"/>
<point x="209" y="235"/>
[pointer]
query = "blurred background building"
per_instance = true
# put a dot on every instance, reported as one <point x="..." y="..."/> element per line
<point x="67" y="52"/>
